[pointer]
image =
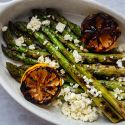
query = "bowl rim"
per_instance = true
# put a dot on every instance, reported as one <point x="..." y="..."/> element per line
<point x="11" y="92"/>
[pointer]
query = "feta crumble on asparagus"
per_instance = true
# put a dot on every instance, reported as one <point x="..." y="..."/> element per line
<point x="34" y="24"/>
<point x="47" y="60"/>
<point x="119" y="63"/>
<point x="4" y="28"/>
<point x="121" y="79"/>
<point x="92" y="90"/>
<point x="117" y="94"/>
<point x="81" y="48"/>
<point x="68" y="37"/>
<point x="46" y="22"/>
<point x="19" y="41"/>
<point x="76" y="41"/>
<point x="45" y="42"/>
<point x="32" y="46"/>
<point x="62" y="71"/>
<point x="60" y="27"/>
<point x="76" y="56"/>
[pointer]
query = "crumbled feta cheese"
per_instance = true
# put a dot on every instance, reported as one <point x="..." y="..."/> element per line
<point x="104" y="58"/>
<point x="41" y="59"/>
<point x="77" y="45"/>
<point x="76" y="86"/>
<point x="57" y="103"/>
<point x="121" y="79"/>
<point x="47" y="60"/>
<point x="76" y="41"/>
<point x="81" y="48"/>
<point x="53" y="63"/>
<point x="19" y="41"/>
<point x="68" y="37"/>
<point x="4" y="28"/>
<point x="38" y="53"/>
<point x="123" y="59"/>
<point x="117" y="94"/>
<point x="95" y="92"/>
<point x="71" y="84"/>
<point x="60" y="27"/>
<point x="32" y="46"/>
<point x="92" y="89"/>
<point x="87" y="66"/>
<point x="23" y="54"/>
<point x="111" y="57"/>
<point x="112" y="78"/>
<point x="45" y="42"/>
<point x="76" y="56"/>
<point x="62" y="71"/>
<point x="78" y="106"/>
<point x="23" y="44"/>
<point x="34" y="24"/>
<point x="67" y="49"/>
<point x="87" y="80"/>
<point x="119" y="63"/>
<point x="53" y="17"/>
<point x="48" y="16"/>
<point x="46" y="22"/>
<point x="57" y="47"/>
<point x="107" y="77"/>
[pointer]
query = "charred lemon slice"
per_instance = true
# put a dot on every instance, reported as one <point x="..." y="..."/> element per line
<point x="40" y="84"/>
<point x="100" y="32"/>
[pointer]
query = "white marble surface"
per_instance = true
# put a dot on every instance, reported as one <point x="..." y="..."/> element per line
<point x="11" y="113"/>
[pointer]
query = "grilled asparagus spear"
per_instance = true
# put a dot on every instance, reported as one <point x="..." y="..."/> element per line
<point x="105" y="70"/>
<point x="30" y="53"/>
<point x="111" y="85"/>
<point x="18" y="57"/>
<point x="16" y="71"/>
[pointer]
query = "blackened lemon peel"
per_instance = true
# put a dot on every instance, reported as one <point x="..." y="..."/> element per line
<point x="100" y="32"/>
<point x="40" y="84"/>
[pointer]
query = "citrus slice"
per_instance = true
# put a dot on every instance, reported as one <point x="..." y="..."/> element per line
<point x="40" y="84"/>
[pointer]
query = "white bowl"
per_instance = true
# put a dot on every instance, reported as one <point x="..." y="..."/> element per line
<point x="74" y="10"/>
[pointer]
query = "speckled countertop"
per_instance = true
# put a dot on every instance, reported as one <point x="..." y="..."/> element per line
<point x="11" y="113"/>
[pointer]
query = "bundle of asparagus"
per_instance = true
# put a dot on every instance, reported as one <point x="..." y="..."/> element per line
<point x="80" y="73"/>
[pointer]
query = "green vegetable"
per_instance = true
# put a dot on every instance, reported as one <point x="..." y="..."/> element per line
<point x="17" y="57"/>
<point x="76" y="75"/>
